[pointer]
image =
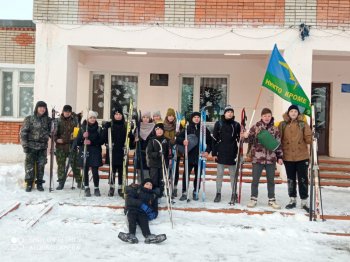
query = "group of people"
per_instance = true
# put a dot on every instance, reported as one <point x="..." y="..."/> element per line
<point x="153" y="140"/>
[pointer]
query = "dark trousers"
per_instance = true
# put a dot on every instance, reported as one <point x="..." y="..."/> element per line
<point x="135" y="217"/>
<point x="176" y="178"/>
<point x="156" y="174"/>
<point x="298" y="169"/>
<point x="190" y="167"/>
<point x="120" y="174"/>
<point x="95" y="176"/>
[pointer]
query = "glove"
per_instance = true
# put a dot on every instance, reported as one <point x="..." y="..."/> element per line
<point x="85" y="134"/>
<point x="132" y="126"/>
<point x="26" y="149"/>
<point x="107" y="125"/>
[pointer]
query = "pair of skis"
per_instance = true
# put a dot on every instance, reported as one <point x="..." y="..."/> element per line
<point x="167" y="184"/>
<point x="138" y="153"/>
<point x="236" y="198"/>
<point x="126" y="149"/>
<point x="201" y="159"/>
<point x="173" y="161"/>
<point x="316" y="208"/>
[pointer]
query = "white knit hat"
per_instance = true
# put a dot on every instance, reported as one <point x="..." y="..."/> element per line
<point x="92" y="114"/>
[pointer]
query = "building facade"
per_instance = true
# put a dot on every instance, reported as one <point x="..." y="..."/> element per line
<point x="190" y="53"/>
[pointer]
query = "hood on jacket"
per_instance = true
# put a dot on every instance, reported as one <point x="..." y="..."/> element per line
<point x="287" y="118"/>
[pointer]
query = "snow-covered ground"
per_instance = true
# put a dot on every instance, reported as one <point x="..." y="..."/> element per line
<point x="86" y="233"/>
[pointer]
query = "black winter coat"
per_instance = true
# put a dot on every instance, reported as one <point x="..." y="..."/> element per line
<point x="94" y="158"/>
<point x="194" y="153"/>
<point x="143" y="144"/>
<point x="138" y="195"/>
<point x="152" y="152"/>
<point x="226" y="135"/>
<point x="118" y="141"/>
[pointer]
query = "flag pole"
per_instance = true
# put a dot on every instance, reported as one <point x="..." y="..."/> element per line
<point x="256" y="105"/>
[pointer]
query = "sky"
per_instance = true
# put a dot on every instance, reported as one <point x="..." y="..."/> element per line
<point x="16" y="9"/>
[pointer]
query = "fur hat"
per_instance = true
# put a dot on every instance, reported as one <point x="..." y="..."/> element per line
<point x="170" y="112"/>
<point x="228" y="108"/>
<point x="266" y="111"/>
<point x="41" y="104"/>
<point x="294" y="107"/>
<point x="92" y="114"/>
<point x="67" y="108"/>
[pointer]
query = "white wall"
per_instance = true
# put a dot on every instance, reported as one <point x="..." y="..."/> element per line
<point x="245" y="77"/>
<point x="336" y="73"/>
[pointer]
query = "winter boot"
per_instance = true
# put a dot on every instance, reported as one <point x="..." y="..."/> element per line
<point x="183" y="197"/>
<point x="155" y="239"/>
<point x="272" y="203"/>
<point x="126" y="237"/>
<point x="60" y="186"/>
<point x="253" y="201"/>
<point x="29" y="186"/>
<point x="40" y="187"/>
<point x="195" y="196"/>
<point x="217" y="198"/>
<point x="174" y="193"/>
<point x="292" y="203"/>
<point x="304" y="205"/>
<point x="87" y="192"/>
<point x="111" y="192"/>
<point x="79" y="184"/>
<point x="233" y="199"/>
<point x="120" y="191"/>
<point x="97" y="192"/>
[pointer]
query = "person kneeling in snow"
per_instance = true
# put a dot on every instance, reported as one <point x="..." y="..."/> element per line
<point x="141" y="207"/>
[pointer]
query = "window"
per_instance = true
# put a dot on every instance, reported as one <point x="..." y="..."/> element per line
<point x="123" y="87"/>
<point x="200" y="91"/>
<point x="111" y="90"/>
<point x="16" y="87"/>
<point x="98" y="87"/>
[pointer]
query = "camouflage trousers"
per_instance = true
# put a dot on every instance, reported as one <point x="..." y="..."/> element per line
<point x="34" y="165"/>
<point x="61" y="157"/>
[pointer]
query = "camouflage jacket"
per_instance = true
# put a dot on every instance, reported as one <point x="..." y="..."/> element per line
<point x="259" y="153"/>
<point x="35" y="132"/>
<point x="65" y="128"/>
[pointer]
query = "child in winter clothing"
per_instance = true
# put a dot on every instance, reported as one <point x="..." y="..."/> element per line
<point x="157" y="118"/>
<point x="157" y="146"/>
<point x="141" y="207"/>
<point x="170" y="133"/>
<point x="263" y="158"/>
<point x="146" y="132"/>
<point x="193" y="154"/>
<point x="295" y="136"/>
<point x="66" y="146"/>
<point x="35" y="134"/>
<point x="118" y="132"/>
<point x="90" y="136"/>
<point x="226" y="136"/>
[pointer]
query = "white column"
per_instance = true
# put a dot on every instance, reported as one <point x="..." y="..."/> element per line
<point x="55" y="70"/>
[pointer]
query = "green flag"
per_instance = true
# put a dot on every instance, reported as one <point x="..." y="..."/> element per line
<point x="280" y="79"/>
